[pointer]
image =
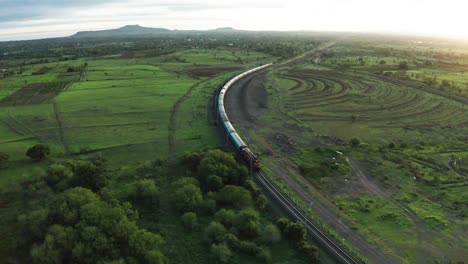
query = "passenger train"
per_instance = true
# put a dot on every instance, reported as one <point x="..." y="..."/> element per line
<point x="236" y="140"/>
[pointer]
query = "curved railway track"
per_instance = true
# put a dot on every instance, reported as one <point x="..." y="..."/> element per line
<point x="314" y="231"/>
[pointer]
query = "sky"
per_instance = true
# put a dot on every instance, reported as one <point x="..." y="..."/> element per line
<point x="32" y="19"/>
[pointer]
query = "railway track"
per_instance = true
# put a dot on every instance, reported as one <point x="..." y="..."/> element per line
<point x="322" y="238"/>
<point x="314" y="231"/>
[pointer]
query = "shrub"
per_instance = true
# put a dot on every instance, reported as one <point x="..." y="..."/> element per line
<point x="355" y="142"/>
<point x="38" y="152"/>
<point x="4" y="160"/>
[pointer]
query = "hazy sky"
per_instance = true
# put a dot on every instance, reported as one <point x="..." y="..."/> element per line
<point x="27" y="19"/>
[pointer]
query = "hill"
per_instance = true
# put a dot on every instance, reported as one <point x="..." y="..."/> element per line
<point x="129" y="30"/>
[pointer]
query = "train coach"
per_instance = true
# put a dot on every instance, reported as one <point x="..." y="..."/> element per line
<point x="239" y="144"/>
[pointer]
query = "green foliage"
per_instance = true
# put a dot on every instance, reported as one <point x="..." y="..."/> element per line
<point x="311" y="252"/>
<point x="189" y="220"/>
<point x="221" y="252"/>
<point x="90" y="174"/>
<point x="79" y="227"/>
<point x="38" y="152"/>
<point x="222" y="164"/>
<point x="226" y="217"/>
<point x="145" y="191"/>
<point x="355" y="142"/>
<point x="247" y="223"/>
<point x="270" y="234"/>
<point x="235" y="196"/>
<point x="59" y="177"/>
<point x="295" y="232"/>
<point x="214" y="183"/>
<point x="187" y="197"/>
<point x="215" y="232"/>
<point x="4" y="160"/>
<point x="261" y="202"/>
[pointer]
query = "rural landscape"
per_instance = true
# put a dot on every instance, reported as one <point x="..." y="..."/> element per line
<point x="344" y="147"/>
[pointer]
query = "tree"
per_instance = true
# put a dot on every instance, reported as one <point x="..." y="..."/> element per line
<point x="226" y="217"/>
<point x="4" y="159"/>
<point x="89" y="174"/>
<point x="261" y="202"/>
<point x="214" y="183"/>
<point x="145" y="191"/>
<point x="38" y="152"/>
<point x="295" y="231"/>
<point x="58" y="177"/>
<point x="189" y="220"/>
<point x="215" y="232"/>
<point x="310" y="251"/>
<point x="235" y="196"/>
<point x="247" y="222"/>
<point x="270" y="234"/>
<point x="282" y="223"/>
<point x="222" y="164"/>
<point x="221" y="252"/>
<point x="187" y="198"/>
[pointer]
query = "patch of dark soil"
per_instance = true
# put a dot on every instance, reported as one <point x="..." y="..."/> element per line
<point x="284" y="142"/>
<point x="41" y="71"/>
<point x="127" y="55"/>
<point x="37" y="93"/>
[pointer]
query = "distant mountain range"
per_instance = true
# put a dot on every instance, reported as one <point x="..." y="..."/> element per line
<point x="133" y="30"/>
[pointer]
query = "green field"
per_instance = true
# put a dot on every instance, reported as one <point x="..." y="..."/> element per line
<point x="409" y="136"/>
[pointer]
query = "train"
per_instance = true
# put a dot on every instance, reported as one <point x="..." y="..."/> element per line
<point x="247" y="155"/>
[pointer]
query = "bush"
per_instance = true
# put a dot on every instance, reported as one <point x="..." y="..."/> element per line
<point x="4" y="160"/>
<point x="38" y="152"/>
<point x="355" y="142"/>
<point x="189" y="220"/>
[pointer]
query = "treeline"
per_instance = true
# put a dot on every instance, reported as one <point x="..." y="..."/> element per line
<point x="277" y="44"/>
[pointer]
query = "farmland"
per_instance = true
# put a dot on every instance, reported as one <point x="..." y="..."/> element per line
<point x="367" y="136"/>
<point x="140" y="114"/>
<point x="384" y="146"/>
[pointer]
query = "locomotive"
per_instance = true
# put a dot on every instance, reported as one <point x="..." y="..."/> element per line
<point x="241" y="147"/>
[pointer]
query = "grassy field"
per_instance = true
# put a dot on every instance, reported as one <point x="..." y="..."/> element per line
<point x="403" y="185"/>
<point x="124" y="110"/>
<point x="118" y="108"/>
